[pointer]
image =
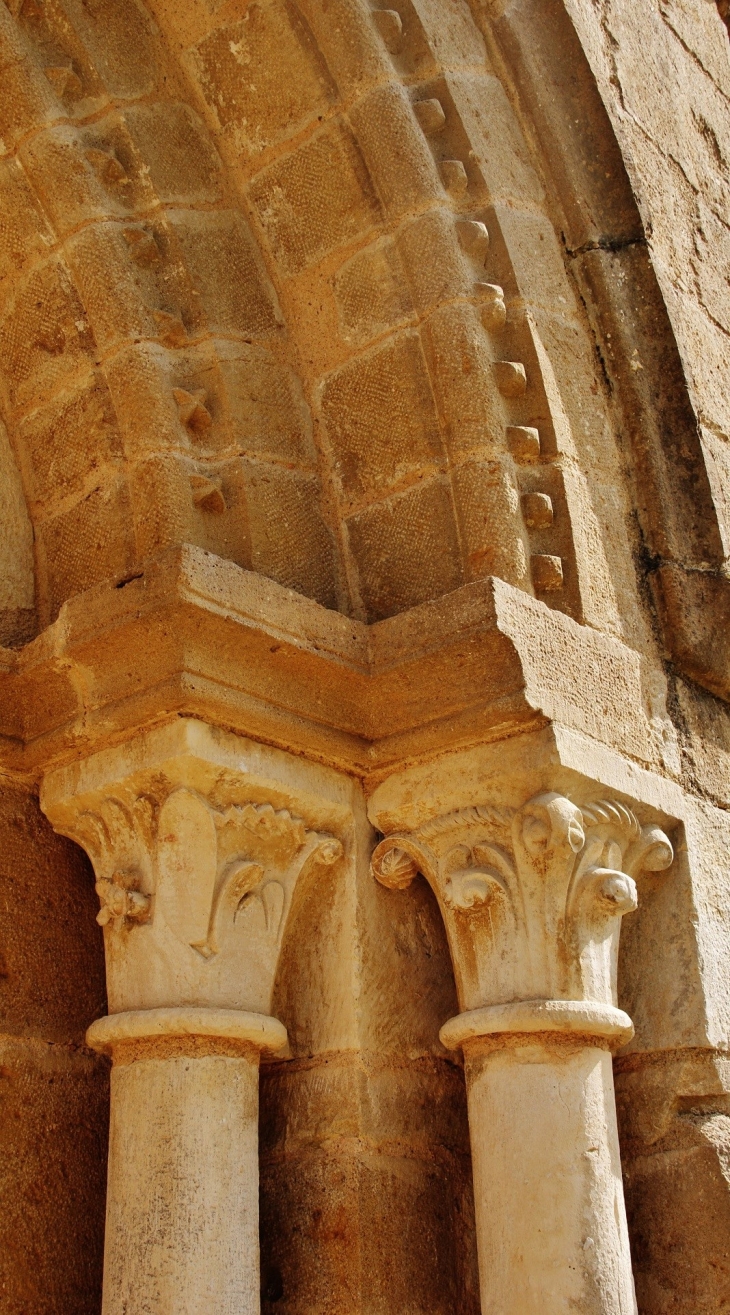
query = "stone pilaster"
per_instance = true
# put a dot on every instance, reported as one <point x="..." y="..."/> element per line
<point x="532" y="900"/>
<point x="200" y="853"/>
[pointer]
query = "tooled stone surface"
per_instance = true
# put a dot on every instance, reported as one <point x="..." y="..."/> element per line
<point x="532" y="899"/>
<point x="340" y="384"/>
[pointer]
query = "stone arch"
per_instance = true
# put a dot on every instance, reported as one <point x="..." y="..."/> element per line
<point x="304" y="365"/>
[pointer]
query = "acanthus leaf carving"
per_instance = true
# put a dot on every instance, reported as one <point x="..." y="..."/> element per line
<point x="195" y="894"/>
<point x="532" y="899"/>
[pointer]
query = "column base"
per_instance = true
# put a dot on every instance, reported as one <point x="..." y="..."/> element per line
<point x="576" y="1017"/>
<point x="236" y="1025"/>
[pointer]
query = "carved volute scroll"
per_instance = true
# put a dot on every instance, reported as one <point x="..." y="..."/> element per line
<point x="195" y="889"/>
<point x="532" y="900"/>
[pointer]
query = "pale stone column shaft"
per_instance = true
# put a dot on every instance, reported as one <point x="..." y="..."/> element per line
<point x="182" y="1202"/>
<point x="198" y="863"/>
<point x="532" y="901"/>
<point x="548" y="1195"/>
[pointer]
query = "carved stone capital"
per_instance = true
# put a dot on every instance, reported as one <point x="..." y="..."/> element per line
<point x="198" y="858"/>
<point x="532" y="899"/>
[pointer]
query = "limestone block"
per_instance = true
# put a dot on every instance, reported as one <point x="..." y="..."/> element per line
<point x="315" y="199"/>
<point x="225" y="269"/>
<point x="706" y="747"/>
<point x="436" y="271"/>
<point x="90" y="541"/>
<point x="269" y="416"/>
<point x="17" y="568"/>
<point x="372" y="292"/>
<point x="290" y="540"/>
<point x="68" y="182"/>
<point x="53" y="1093"/>
<point x="535" y="257"/>
<point x="102" y="255"/>
<point x="328" y="1249"/>
<point x="54" y="1105"/>
<point x="381" y="420"/>
<point x="369" y="1097"/>
<point x="28" y="99"/>
<point x="673" y="1119"/>
<point x="489" y="511"/>
<point x="463" y="375"/>
<point x="398" y="157"/>
<point x="405" y="550"/>
<point x="264" y="76"/>
<point x="177" y="500"/>
<point x="352" y="47"/>
<point x="183" y="165"/>
<point x="486" y="661"/>
<point x="44" y="332"/>
<point x="69" y="440"/>
<point x="24" y="230"/>
<point x="142" y="378"/>
<point x="120" y="39"/>
<point x="500" y="151"/>
<point x="453" y="37"/>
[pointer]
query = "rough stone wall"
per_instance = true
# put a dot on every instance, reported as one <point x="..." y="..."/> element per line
<point x="53" y="1091"/>
<point x="364" y="1134"/>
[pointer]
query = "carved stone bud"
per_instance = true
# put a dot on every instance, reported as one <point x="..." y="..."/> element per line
<point x="207" y="494"/>
<point x="473" y="238"/>
<point x="511" y="378"/>
<point x="170" y="328"/>
<point x="430" y="115"/>
<point x="547" y="572"/>
<point x="454" y="177"/>
<point x="537" y="510"/>
<point x="617" y="890"/>
<point x="524" y="443"/>
<point x="65" y="83"/>
<point x="106" y="166"/>
<point x="493" y="310"/>
<point x="390" y="26"/>
<point x="192" y="411"/>
<point x="142" y="245"/>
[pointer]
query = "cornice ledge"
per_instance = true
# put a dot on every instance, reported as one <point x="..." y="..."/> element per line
<point x="190" y="634"/>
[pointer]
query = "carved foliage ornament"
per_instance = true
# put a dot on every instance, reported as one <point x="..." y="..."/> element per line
<point x="532" y="900"/>
<point x="199" y="872"/>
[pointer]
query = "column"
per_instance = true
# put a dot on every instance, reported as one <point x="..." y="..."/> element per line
<point x="198" y="864"/>
<point x="532" y="901"/>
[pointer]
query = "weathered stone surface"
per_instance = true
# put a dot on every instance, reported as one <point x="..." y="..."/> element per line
<point x="365" y="450"/>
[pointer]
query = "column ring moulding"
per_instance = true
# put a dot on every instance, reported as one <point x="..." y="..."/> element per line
<point x="532" y="900"/>
<point x="198" y="861"/>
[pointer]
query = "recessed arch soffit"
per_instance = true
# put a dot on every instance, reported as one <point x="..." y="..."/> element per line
<point x="248" y="302"/>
